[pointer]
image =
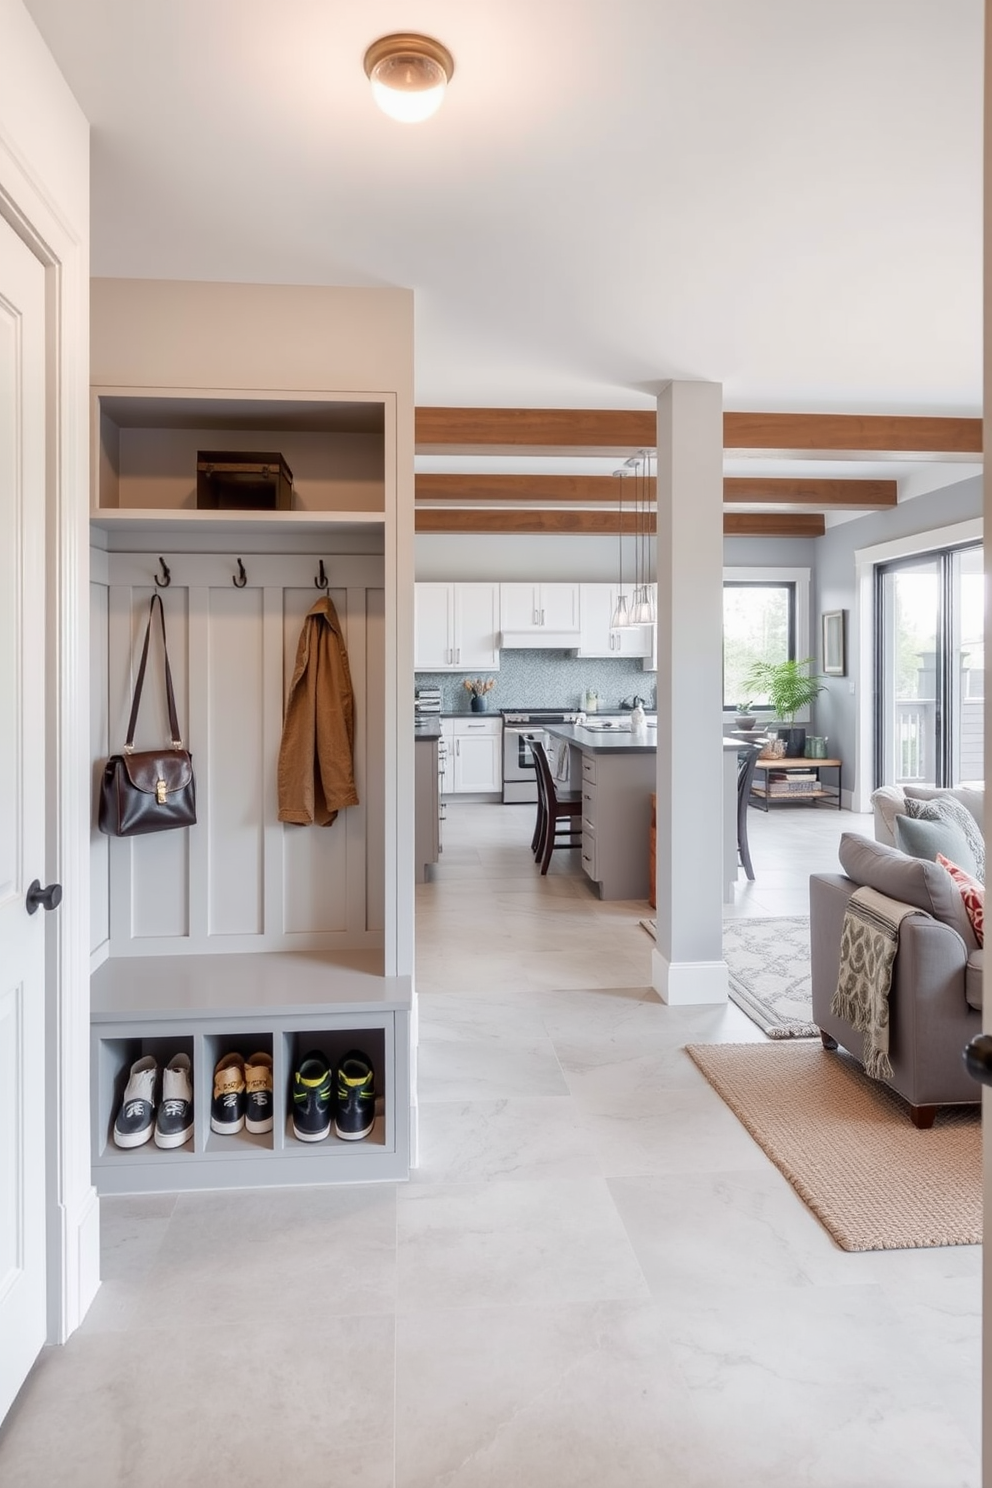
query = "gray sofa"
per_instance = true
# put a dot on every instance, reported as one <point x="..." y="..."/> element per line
<point x="936" y="995"/>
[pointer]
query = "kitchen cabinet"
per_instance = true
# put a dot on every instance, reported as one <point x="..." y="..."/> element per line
<point x="532" y="610"/>
<point x="456" y="627"/>
<point x="596" y="605"/>
<point x="478" y="755"/>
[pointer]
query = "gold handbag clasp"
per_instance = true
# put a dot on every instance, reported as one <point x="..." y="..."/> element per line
<point x="160" y="792"/>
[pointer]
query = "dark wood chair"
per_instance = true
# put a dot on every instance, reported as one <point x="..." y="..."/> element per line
<point x="562" y="810"/>
<point x="746" y="761"/>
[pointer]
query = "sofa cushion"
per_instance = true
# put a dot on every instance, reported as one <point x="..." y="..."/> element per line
<point x="973" y="974"/>
<point x="974" y="800"/>
<point x="889" y="802"/>
<point x="915" y="881"/>
<point x="927" y="836"/>
<point x="948" y="808"/>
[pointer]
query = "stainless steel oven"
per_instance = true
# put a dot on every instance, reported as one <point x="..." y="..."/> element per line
<point x="519" y="728"/>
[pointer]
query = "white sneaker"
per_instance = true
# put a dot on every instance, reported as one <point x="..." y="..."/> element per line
<point x="137" y="1113"/>
<point x="174" y="1122"/>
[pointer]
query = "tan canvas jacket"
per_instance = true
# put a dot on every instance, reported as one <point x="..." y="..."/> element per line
<point x="316" y="770"/>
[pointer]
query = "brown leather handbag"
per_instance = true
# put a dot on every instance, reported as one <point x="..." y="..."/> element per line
<point x="149" y="790"/>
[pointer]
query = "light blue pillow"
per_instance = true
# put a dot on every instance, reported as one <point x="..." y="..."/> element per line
<point x="925" y="839"/>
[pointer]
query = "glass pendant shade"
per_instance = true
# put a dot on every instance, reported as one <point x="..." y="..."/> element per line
<point x="620" y="619"/>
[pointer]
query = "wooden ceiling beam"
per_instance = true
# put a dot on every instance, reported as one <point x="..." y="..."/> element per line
<point x="603" y="523"/>
<point x="604" y="490"/>
<point x="620" y="432"/>
<point x="825" y="495"/>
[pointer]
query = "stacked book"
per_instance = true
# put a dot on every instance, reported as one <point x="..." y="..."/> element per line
<point x="792" y="782"/>
<point x="427" y="700"/>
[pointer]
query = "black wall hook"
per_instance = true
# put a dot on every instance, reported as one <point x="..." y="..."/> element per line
<point x="165" y="581"/>
<point x="321" y="581"/>
<point x="240" y="579"/>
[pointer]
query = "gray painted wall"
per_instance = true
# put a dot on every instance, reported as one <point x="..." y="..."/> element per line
<point x="834" y="589"/>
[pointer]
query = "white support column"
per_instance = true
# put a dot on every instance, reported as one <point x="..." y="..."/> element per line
<point x="688" y="964"/>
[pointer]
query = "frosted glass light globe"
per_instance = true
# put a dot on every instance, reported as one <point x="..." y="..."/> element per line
<point x="409" y="75"/>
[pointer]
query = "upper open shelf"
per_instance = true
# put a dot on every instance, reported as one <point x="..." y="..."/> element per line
<point x="146" y="444"/>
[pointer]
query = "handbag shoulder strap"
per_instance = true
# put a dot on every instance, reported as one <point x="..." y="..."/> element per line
<point x="170" y="696"/>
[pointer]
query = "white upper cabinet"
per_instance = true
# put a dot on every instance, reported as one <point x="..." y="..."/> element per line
<point x="456" y="627"/>
<point x="535" y="614"/>
<point x="598" y="602"/>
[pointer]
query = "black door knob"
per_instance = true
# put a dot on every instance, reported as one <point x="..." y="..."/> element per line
<point x="48" y="898"/>
<point x="978" y="1058"/>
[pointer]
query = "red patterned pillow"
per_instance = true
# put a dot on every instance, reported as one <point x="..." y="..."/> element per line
<point x="973" y="894"/>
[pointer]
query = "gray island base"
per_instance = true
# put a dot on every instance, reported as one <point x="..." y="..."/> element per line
<point x="617" y="775"/>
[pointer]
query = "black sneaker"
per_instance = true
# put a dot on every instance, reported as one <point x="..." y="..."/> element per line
<point x="258" y="1088"/>
<point x="136" y="1117"/>
<point x="354" y="1111"/>
<point x="312" y="1098"/>
<point x="174" y="1121"/>
<point x="227" y="1109"/>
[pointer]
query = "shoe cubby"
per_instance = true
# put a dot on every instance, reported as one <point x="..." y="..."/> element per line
<point x="290" y="1004"/>
<point x="112" y="1061"/>
<point x="214" y="1047"/>
<point x="334" y="1044"/>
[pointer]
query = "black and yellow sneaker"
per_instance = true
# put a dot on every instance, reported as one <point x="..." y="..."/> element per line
<point x="354" y="1110"/>
<point x="312" y="1098"/>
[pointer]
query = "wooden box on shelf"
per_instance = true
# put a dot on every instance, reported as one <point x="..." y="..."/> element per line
<point x="233" y="480"/>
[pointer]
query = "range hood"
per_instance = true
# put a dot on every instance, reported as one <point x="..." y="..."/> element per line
<point x="538" y="640"/>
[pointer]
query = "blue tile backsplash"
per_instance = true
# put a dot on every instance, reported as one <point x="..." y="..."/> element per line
<point x="547" y="679"/>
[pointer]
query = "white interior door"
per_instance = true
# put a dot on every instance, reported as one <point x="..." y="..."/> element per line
<point x="22" y="811"/>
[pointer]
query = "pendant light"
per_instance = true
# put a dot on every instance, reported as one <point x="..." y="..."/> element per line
<point x="620" y="620"/>
<point x="643" y="610"/>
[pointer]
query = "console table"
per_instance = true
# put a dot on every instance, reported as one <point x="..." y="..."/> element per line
<point x="762" y="796"/>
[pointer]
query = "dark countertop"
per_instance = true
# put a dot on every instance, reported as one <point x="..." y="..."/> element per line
<point x="427" y="728"/>
<point x="590" y="741"/>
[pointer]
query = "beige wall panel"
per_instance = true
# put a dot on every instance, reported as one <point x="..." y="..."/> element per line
<point x="234" y="780"/>
<point x="164" y="333"/>
<point x="375" y="757"/>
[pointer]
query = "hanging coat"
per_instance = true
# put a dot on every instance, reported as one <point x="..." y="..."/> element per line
<point x="316" y="772"/>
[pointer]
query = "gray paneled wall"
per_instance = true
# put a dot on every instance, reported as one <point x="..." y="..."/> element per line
<point x="239" y="879"/>
<point x="548" y="679"/>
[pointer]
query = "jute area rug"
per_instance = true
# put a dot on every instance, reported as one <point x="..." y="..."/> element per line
<point x="768" y="962"/>
<point x="848" y="1147"/>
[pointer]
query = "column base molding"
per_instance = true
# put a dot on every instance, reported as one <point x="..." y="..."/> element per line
<point x="684" y="983"/>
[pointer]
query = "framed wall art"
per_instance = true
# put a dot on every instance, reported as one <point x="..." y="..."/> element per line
<point x="834" y="643"/>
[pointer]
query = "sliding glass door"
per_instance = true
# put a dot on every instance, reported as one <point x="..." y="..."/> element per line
<point x="930" y="669"/>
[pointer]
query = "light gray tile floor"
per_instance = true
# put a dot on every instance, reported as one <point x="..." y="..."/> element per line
<point x="594" y="1278"/>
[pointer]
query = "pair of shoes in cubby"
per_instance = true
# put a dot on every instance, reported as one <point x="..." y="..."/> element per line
<point x="345" y="1097"/>
<point x="143" y="1111"/>
<point x="242" y="1096"/>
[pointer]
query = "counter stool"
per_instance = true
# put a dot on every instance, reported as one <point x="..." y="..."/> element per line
<point x="559" y="813"/>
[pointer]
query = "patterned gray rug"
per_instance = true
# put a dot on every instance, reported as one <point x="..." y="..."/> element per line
<point x="769" y="973"/>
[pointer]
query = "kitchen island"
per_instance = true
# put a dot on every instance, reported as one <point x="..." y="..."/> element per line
<point x="616" y="773"/>
<point x="427" y="806"/>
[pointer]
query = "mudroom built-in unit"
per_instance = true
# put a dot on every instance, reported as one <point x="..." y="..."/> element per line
<point x="244" y="934"/>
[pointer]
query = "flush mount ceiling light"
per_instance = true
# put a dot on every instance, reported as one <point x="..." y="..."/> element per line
<point x="409" y="74"/>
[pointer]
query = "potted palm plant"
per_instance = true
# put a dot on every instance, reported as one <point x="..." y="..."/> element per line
<point x="789" y="686"/>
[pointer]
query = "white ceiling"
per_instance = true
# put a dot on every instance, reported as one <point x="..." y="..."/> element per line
<point x="780" y="195"/>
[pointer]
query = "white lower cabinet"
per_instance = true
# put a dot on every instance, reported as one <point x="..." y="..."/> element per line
<point x="478" y="754"/>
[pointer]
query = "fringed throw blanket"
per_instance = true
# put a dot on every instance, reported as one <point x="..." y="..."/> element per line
<point x="868" y="947"/>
